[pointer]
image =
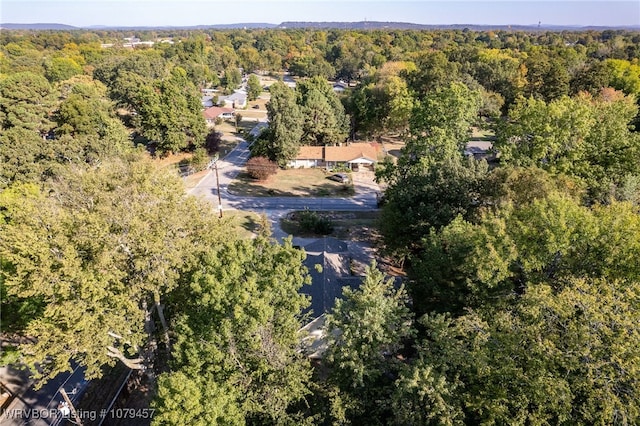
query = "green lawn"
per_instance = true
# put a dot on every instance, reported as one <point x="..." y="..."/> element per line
<point x="243" y="223"/>
<point x="478" y="134"/>
<point x="291" y="183"/>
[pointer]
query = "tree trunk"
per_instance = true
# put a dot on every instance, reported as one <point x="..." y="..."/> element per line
<point x="163" y="322"/>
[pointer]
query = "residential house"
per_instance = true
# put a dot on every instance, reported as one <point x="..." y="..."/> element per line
<point x="354" y="156"/>
<point x="329" y="264"/>
<point x="207" y="101"/>
<point x="479" y="150"/>
<point x="213" y="113"/>
<point x="309" y="156"/>
<point x="237" y="100"/>
<point x="340" y="86"/>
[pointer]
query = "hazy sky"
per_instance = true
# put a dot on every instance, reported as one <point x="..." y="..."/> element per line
<point x="208" y="12"/>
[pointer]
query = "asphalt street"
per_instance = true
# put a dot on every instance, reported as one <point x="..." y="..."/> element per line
<point x="40" y="408"/>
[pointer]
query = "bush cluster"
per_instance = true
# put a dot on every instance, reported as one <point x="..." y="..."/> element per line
<point x="312" y="222"/>
<point x="261" y="168"/>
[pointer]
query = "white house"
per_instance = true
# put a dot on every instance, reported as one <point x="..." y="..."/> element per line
<point x="353" y="156"/>
<point x="237" y="100"/>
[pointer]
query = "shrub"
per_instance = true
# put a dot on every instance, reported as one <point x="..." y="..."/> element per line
<point x="312" y="222"/>
<point x="261" y="168"/>
<point x="200" y="159"/>
<point x="212" y="143"/>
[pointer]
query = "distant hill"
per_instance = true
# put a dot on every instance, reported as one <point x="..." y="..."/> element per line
<point x="252" y="25"/>
<point x="10" y="26"/>
<point x="377" y="25"/>
<point x="362" y="25"/>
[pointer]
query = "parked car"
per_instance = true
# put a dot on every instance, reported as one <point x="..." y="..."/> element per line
<point x="340" y="177"/>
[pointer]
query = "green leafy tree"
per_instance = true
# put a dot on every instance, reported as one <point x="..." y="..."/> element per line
<point x="385" y="105"/>
<point x="94" y="252"/>
<point x="547" y="77"/>
<point x="366" y="329"/>
<point x="559" y="355"/>
<point x="589" y="138"/>
<point x="195" y="400"/>
<point x="325" y="118"/>
<point x="440" y="124"/>
<point x="428" y="198"/>
<point x="311" y="66"/>
<point x="170" y="113"/>
<point x="59" y="69"/>
<point x="237" y="323"/>
<point x="433" y="71"/>
<point x="281" y="142"/>
<point x="232" y="79"/>
<point x="254" y="88"/>
<point x="26" y="100"/>
<point x="21" y="153"/>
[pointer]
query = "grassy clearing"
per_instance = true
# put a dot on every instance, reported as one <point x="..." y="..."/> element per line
<point x="243" y="223"/>
<point x="352" y="226"/>
<point x="291" y="183"/>
<point x="392" y="145"/>
<point x="191" y="181"/>
<point x="479" y="134"/>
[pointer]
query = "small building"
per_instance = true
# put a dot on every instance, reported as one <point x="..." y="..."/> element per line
<point x="480" y="150"/>
<point x="237" y="100"/>
<point x="339" y="87"/>
<point x="207" y="101"/>
<point x="213" y="113"/>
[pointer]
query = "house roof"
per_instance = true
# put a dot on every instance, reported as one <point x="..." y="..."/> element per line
<point x="310" y="153"/>
<point x="478" y="147"/>
<point x="346" y="153"/>
<point x="215" y="112"/>
<point x="236" y="96"/>
<point x="351" y="152"/>
<point x="328" y="244"/>
<point x="327" y="282"/>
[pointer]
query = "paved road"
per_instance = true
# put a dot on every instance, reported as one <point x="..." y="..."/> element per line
<point x="39" y="408"/>
<point x="228" y="169"/>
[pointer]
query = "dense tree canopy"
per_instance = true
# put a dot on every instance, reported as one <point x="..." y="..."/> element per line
<point x="237" y="323"/>
<point x="587" y="137"/>
<point x="522" y="282"/>
<point x="102" y="261"/>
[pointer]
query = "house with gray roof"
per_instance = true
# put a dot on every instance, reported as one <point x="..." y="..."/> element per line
<point x="329" y="264"/>
<point x="237" y="100"/>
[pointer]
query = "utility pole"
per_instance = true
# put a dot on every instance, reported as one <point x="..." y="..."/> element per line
<point x="215" y="165"/>
<point x="71" y="407"/>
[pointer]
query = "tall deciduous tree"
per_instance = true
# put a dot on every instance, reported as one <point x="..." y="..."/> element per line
<point x="254" y="88"/>
<point x="101" y="250"/>
<point x="366" y="330"/>
<point x="170" y="113"/>
<point x="237" y="322"/>
<point x="586" y="137"/>
<point x="26" y="100"/>
<point x="281" y="142"/>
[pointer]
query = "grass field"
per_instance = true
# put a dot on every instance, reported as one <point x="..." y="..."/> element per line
<point x="243" y="223"/>
<point x="291" y="183"/>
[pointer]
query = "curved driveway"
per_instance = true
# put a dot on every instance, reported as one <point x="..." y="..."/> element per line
<point x="232" y="164"/>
